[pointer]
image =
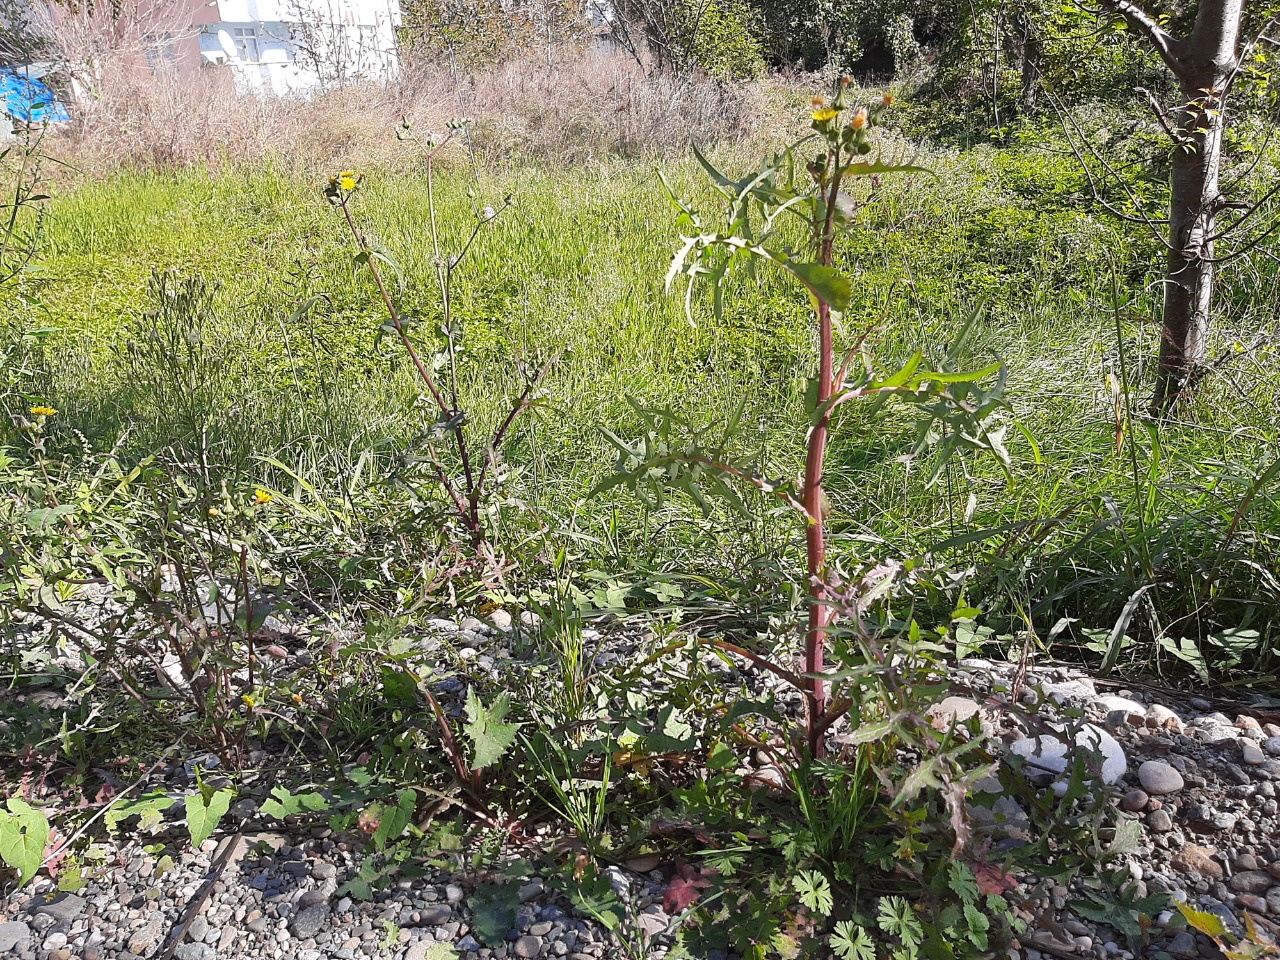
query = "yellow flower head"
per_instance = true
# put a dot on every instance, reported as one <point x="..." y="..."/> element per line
<point x="297" y="698"/>
<point x="248" y="701"/>
<point x="859" y="118"/>
<point x="348" y="179"/>
<point x="888" y="100"/>
<point x="40" y="411"/>
<point x="822" y="109"/>
<point x="261" y="496"/>
<point x="215" y="512"/>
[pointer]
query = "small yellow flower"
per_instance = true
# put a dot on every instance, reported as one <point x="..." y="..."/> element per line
<point x="888" y="100"/>
<point x="859" y="118"/>
<point x="40" y="411"/>
<point x="297" y="698"/>
<point x="348" y="179"/>
<point x="215" y="512"/>
<point x="248" y="701"/>
<point x="822" y="108"/>
<point x="261" y="496"/>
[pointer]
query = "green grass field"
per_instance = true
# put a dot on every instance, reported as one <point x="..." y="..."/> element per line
<point x="577" y="264"/>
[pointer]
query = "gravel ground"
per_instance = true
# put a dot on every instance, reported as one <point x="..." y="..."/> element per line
<point x="1201" y="779"/>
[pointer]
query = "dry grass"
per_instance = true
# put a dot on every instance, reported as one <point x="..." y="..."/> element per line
<point x="586" y="105"/>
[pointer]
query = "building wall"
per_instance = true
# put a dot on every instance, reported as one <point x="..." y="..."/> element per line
<point x="287" y="47"/>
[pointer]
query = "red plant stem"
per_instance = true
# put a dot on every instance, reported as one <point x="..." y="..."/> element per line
<point x="816" y="532"/>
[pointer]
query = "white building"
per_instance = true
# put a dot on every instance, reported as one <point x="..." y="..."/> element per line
<point x="290" y="46"/>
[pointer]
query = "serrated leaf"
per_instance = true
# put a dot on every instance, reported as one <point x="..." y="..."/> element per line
<point x="490" y="737"/>
<point x="851" y="942"/>
<point x="815" y="891"/>
<point x="148" y="808"/>
<point x="1207" y="923"/>
<point x="24" y="833"/>
<point x="395" y="819"/>
<point x="205" y="808"/>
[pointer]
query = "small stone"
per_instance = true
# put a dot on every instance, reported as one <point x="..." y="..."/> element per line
<point x="1250" y="881"/>
<point x="541" y="929"/>
<point x="501" y="620"/>
<point x="308" y="923"/>
<point x="1272" y="746"/>
<point x="195" y="951"/>
<point x="1159" y="821"/>
<point x="467" y="944"/>
<point x="435" y="914"/>
<point x="323" y="870"/>
<point x="1162" y="718"/>
<point x="533" y="888"/>
<point x="1134" y="801"/>
<point x="453" y="893"/>
<point x="55" y="941"/>
<point x="1196" y="859"/>
<point x="528" y="947"/>
<point x="1158" y="778"/>
<point x="1245" y="861"/>
<point x="1198" y="703"/>
<point x="1252" y="903"/>
<point x="1251" y="753"/>
<point x="1183" y="945"/>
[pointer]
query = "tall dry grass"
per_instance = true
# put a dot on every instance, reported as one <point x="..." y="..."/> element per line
<point x="580" y="105"/>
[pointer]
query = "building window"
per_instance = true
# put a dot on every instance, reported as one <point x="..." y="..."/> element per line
<point x="246" y="39"/>
<point x="162" y="52"/>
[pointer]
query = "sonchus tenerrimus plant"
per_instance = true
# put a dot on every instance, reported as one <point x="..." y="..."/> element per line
<point x="816" y="180"/>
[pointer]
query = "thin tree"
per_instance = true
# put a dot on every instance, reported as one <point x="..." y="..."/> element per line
<point x="1207" y="61"/>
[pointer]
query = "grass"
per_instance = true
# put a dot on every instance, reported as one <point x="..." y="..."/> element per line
<point x="577" y="264"/>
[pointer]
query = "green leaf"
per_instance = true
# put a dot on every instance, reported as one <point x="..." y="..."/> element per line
<point x="826" y="283"/>
<point x="282" y="803"/>
<point x="1207" y="923"/>
<point x="395" y="819"/>
<point x="490" y="737"/>
<point x="24" y="833"/>
<point x="42" y="518"/>
<point x="148" y="808"/>
<point x="815" y="891"/>
<point x="493" y="907"/>
<point x="205" y="808"/>
<point x="851" y="942"/>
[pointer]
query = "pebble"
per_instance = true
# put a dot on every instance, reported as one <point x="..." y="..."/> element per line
<point x="1193" y="858"/>
<point x="528" y="947"/>
<point x="1250" y="881"/>
<point x="1159" y="778"/>
<point x="1159" y="821"/>
<point x="1251" y="753"/>
<point x="1134" y="801"/>
<point x="1272" y="746"/>
<point x="1183" y="945"/>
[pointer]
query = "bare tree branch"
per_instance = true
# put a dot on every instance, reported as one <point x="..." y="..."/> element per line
<point x="1172" y="50"/>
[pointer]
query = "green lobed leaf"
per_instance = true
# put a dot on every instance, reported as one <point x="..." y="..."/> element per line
<point x="205" y="808"/>
<point x="24" y="833"/>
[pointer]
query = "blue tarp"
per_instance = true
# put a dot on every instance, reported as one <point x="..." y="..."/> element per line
<point x="29" y="100"/>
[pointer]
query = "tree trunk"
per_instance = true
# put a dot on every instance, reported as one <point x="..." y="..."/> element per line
<point x="1203" y="66"/>
<point x="1030" y="67"/>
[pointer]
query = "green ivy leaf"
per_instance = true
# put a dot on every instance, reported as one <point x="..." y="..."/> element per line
<point x="24" y="833"/>
<point x="205" y="808"/>
<point x="283" y="803"/>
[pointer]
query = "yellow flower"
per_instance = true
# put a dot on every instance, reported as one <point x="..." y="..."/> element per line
<point x="248" y="701"/>
<point x="348" y="179"/>
<point x="822" y="108"/>
<point x="859" y="118"/>
<point x="888" y="100"/>
<point x="261" y="496"/>
<point x="297" y="698"/>
<point x="215" y="512"/>
<point x="43" y="411"/>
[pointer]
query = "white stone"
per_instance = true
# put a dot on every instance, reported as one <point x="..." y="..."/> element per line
<point x="1071" y="690"/>
<point x="1251" y="753"/>
<point x="1158" y="778"/>
<point x="1135" y="712"/>
<point x="1162" y="718"/>
<point x="1048" y="753"/>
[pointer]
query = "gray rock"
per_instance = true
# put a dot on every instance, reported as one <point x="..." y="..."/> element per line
<point x="195" y="951"/>
<point x="1183" y="945"/>
<point x="308" y="923"/>
<point x="500" y="619"/>
<point x="1250" y="881"/>
<point x="1158" y="778"/>
<point x="1272" y="746"/>
<point x="65" y="907"/>
<point x="533" y="888"/>
<point x="1159" y="821"/>
<point x="1134" y="801"/>
<point x="323" y="870"/>
<point x="12" y="934"/>
<point x="468" y="944"/>
<point x="453" y="893"/>
<point x="198" y="929"/>
<point x="1048" y="754"/>
<point x="435" y="914"/>
<point x="1251" y="753"/>
<point x="1134" y="712"/>
<point x="527" y="947"/>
